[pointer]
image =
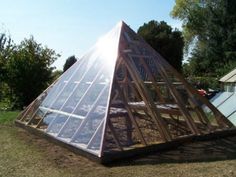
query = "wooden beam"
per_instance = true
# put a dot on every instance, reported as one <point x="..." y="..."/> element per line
<point x="131" y="117"/>
<point x="220" y="118"/>
<point x="177" y="98"/>
<point x="158" y="91"/>
<point x="201" y="115"/>
<point x="164" y="132"/>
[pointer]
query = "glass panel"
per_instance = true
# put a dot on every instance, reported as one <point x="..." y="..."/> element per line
<point x="55" y="89"/>
<point x="75" y="98"/>
<point x="95" y="141"/>
<point x="57" y="123"/>
<point x="220" y="98"/>
<point x="86" y="104"/>
<point x="63" y="96"/>
<point x="93" y="119"/>
<point x="83" y="85"/>
<point x="48" y="118"/>
<point x="228" y="106"/>
<point x="92" y="94"/>
<point x="52" y="93"/>
<point x="69" y="129"/>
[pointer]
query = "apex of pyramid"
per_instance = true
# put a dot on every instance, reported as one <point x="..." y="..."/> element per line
<point x="121" y="24"/>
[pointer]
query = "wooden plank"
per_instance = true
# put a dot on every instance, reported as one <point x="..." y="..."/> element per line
<point x="177" y="98"/>
<point x="161" y="110"/>
<point x="165" y="134"/>
<point x="131" y="117"/>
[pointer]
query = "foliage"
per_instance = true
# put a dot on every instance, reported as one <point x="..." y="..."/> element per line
<point x="168" y="42"/>
<point x="6" y="48"/>
<point x="29" y="71"/>
<point x="209" y="26"/>
<point x="56" y="74"/>
<point x="69" y="62"/>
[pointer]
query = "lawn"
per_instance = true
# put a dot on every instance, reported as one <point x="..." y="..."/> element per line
<point x="8" y="117"/>
<point x="23" y="154"/>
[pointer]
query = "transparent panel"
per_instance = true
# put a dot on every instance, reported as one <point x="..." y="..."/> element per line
<point x="77" y="87"/>
<point x="70" y="127"/>
<point x="48" y="118"/>
<point x="93" y="120"/>
<point x="91" y="95"/>
<point x="56" y="89"/>
<point x="228" y="106"/>
<point x="232" y="118"/>
<point x="219" y="98"/>
<point x="57" y="123"/>
<point x="75" y="97"/>
<point x="61" y="99"/>
<point x="95" y="141"/>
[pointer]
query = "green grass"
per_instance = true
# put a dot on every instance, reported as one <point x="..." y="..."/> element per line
<point x="7" y="117"/>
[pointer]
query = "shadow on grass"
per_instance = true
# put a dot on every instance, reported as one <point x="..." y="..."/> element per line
<point x="200" y="151"/>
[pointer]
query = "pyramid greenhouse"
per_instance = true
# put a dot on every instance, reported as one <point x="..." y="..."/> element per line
<point x="120" y="98"/>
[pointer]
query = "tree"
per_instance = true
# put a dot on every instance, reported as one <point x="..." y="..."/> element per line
<point x="69" y="62"/>
<point x="6" y="48"/>
<point x="29" y="71"/>
<point x="168" y="42"/>
<point x="56" y="74"/>
<point x="209" y="27"/>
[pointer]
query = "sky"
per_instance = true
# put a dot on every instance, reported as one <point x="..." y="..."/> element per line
<point x="71" y="27"/>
